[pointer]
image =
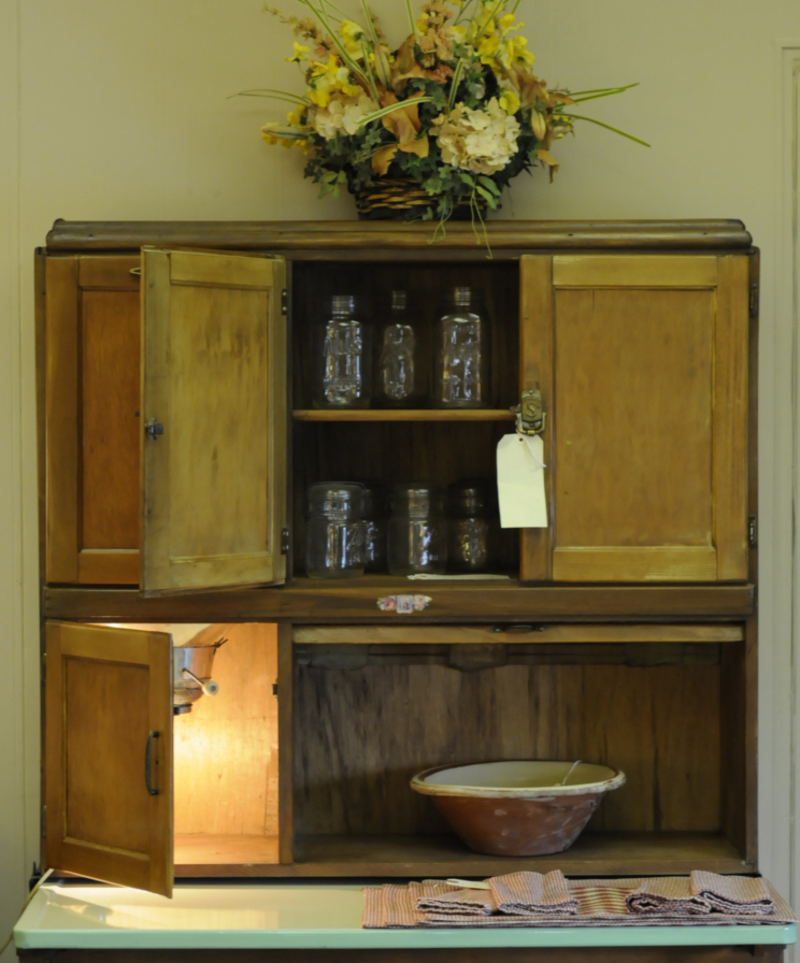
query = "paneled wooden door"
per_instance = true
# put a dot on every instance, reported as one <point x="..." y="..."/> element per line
<point x="214" y="407"/>
<point x="643" y="366"/>
<point x="108" y="754"/>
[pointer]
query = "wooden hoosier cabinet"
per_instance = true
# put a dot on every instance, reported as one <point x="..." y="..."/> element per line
<point x="177" y="441"/>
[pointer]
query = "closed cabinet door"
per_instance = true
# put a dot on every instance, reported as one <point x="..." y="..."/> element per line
<point x="642" y="362"/>
<point x="108" y="754"/>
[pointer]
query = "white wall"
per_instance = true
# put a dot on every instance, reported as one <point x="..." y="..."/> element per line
<point x="116" y="110"/>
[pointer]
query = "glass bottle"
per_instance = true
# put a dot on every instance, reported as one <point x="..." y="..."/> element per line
<point x="335" y="530"/>
<point x="375" y="522"/>
<point x="472" y="526"/>
<point x="417" y="533"/>
<point x="342" y="357"/>
<point x="400" y="379"/>
<point x="461" y="354"/>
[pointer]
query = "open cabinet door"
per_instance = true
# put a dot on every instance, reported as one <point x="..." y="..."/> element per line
<point x="213" y="421"/>
<point x="108" y="755"/>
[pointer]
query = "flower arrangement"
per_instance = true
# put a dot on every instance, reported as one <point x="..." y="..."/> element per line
<point x="455" y="111"/>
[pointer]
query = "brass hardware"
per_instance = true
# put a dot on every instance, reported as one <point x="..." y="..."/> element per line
<point x="752" y="531"/>
<point x="284" y="301"/>
<point x="136" y="271"/>
<point x="285" y="544"/>
<point x="530" y="413"/>
<point x="153" y="429"/>
<point x="754" y="299"/>
<point x="148" y="764"/>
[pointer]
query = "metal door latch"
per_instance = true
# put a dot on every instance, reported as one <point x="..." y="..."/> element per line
<point x="529" y="412"/>
<point x="153" y="429"/>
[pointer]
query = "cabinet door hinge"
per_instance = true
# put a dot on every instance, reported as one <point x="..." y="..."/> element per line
<point x="284" y="301"/>
<point x="44" y="821"/>
<point x="754" y="299"/>
<point x="752" y="531"/>
<point x="274" y="688"/>
<point x="285" y="541"/>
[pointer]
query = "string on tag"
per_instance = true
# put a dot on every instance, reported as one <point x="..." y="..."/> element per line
<point x="529" y="450"/>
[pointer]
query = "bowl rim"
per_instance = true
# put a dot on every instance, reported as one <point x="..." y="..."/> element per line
<point x="419" y="785"/>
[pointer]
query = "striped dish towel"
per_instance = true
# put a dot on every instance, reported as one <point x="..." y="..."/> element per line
<point x="533" y="894"/>
<point x="733" y="894"/>
<point x="667" y="895"/>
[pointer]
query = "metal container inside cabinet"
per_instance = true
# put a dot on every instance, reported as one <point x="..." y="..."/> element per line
<point x="342" y="356"/>
<point x="400" y="378"/>
<point x="461" y="357"/>
<point x="417" y="534"/>
<point x="472" y="526"/>
<point x="335" y="530"/>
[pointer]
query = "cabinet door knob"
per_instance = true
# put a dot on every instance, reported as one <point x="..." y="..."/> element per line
<point x="153" y="429"/>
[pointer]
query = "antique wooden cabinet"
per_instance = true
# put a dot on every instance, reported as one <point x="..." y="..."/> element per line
<point x="177" y="439"/>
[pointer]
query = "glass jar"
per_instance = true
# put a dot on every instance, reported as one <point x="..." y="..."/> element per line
<point x="335" y="530"/>
<point x="400" y="378"/>
<point x="417" y="532"/>
<point x="472" y="526"/>
<point x="461" y="353"/>
<point x="342" y="357"/>
<point x="375" y="523"/>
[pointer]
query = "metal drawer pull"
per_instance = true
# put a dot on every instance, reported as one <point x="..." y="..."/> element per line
<point x="148" y="764"/>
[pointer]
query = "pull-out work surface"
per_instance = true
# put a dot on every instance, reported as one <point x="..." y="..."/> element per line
<point x="309" y="916"/>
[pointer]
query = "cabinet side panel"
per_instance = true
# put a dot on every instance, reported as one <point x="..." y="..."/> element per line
<point x="61" y="415"/>
<point x="286" y="759"/>
<point x="536" y="371"/>
<point x="730" y="419"/>
<point x="735" y="758"/>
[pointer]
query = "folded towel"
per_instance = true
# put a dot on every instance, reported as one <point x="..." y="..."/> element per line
<point x="461" y="902"/>
<point x="666" y="896"/>
<point x="532" y="894"/>
<point x="735" y="895"/>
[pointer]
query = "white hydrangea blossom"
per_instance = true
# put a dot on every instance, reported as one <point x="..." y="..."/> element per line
<point x="481" y="141"/>
<point x="342" y="115"/>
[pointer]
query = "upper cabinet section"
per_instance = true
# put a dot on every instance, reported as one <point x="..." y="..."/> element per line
<point x="643" y="366"/>
<point x="176" y="472"/>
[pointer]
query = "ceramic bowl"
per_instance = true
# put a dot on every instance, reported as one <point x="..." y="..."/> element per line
<point x="518" y="807"/>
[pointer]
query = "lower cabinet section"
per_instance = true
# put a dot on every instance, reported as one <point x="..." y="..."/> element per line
<point x="300" y="764"/>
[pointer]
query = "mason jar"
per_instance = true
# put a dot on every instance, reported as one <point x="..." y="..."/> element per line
<point x="342" y="356"/>
<point x="417" y="533"/>
<point x="400" y="377"/>
<point x="462" y="365"/>
<point x="335" y="530"/>
<point x="375" y="524"/>
<point x="472" y="526"/>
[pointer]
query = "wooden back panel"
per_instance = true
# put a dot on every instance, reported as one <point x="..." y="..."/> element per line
<point x="108" y="691"/>
<point x="92" y="432"/>
<point x="361" y="733"/>
<point x="643" y="364"/>
<point x="214" y="375"/>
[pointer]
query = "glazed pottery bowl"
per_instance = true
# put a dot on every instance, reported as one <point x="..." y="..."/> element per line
<point x="518" y="807"/>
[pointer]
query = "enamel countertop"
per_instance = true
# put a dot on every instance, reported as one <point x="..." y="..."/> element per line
<point x="299" y="915"/>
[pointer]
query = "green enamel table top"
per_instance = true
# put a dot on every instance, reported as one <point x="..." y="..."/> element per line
<point x="297" y="915"/>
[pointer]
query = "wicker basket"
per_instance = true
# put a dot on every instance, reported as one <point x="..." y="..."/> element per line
<point x="402" y="199"/>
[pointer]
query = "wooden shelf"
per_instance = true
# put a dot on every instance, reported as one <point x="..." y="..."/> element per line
<point x="403" y="414"/>
<point x="626" y="854"/>
<point x="594" y="854"/>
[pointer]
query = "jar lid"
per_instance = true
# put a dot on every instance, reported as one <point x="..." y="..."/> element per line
<point x="463" y="296"/>
<point x="399" y="300"/>
<point x="473" y="496"/>
<point x="343" y="304"/>
<point x="417" y="498"/>
<point x="336" y="497"/>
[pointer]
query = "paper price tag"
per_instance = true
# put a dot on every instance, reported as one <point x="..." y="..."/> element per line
<point x="520" y="482"/>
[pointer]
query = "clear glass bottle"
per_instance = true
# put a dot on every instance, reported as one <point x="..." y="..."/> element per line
<point x="375" y="523"/>
<point x="342" y="357"/>
<point x="335" y="530"/>
<point x="462" y="364"/>
<point x="472" y="526"/>
<point x="400" y="378"/>
<point x="417" y="533"/>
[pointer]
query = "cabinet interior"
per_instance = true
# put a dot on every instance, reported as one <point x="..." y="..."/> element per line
<point x="392" y="445"/>
<point x="367" y="717"/>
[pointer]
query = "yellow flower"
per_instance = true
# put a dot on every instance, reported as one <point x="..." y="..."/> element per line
<point x="352" y="35"/>
<point x="487" y="49"/>
<point x="300" y="53"/>
<point x="295" y="117"/>
<point x="509" y="101"/>
<point x="507" y="21"/>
